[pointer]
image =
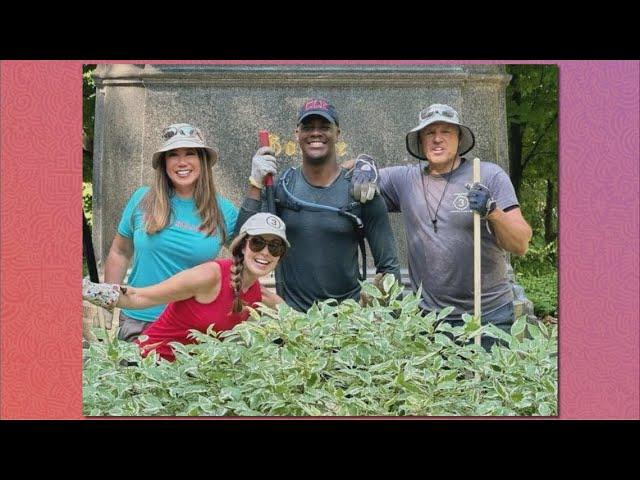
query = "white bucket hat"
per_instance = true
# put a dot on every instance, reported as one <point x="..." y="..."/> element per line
<point x="183" y="135"/>
<point x="260" y="224"/>
<point x="439" y="113"/>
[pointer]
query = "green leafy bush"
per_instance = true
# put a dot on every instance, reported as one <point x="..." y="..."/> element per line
<point x="337" y="359"/>
<point x="540" y="259"/>
<point x="537" y="272"/>
<point x="542" y="290"/>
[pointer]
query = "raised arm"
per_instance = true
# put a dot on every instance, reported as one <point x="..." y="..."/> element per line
<point x="201" y="282"/>
<point x="380" y="237"/>
<point x="262" y="163"/>
<point x="497" y="202"/>
<point x="512" y="231"/>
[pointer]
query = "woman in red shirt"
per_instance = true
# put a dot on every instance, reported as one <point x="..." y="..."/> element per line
<point x="213" y="293"/>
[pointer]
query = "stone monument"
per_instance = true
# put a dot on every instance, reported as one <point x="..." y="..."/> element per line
<point x="377" y="104"/>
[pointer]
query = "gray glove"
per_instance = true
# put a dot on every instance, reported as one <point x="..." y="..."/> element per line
<point x="262" y="163"/>
<point x="364" y="179"/>
<point x="103" y="295"/>
<point x="480" y="199"/>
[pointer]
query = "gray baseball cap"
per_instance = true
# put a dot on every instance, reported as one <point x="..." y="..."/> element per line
<point x="261" y="224"/>
<point x="439" y="113"/>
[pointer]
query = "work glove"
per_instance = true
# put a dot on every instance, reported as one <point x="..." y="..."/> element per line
<point x="364" y="179"/>
<point x="480" y="199"/>
<point x="103" y="295"/>
<point x="262" y="163"/>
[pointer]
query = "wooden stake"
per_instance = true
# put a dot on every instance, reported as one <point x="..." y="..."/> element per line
<point x="477" y="287"/>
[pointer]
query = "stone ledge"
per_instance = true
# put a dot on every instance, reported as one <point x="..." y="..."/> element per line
<point x="296" y="75"/>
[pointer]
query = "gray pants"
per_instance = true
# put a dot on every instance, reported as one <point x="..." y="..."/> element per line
<point x="130" y="328"/>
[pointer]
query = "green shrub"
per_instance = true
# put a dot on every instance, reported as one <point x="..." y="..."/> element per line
<point x="540" y="259"/>
<point x="537" y="272"/>
<point x="337" y="359"/>
<point x="542" y="290"/>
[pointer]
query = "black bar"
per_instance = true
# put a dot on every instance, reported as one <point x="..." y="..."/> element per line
<point x="87" y="245"/>
<point x="271" y="204"/>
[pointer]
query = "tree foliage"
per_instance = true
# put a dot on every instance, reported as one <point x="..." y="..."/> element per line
<point x="532" y="115"/>
<point x="88" y="117"/>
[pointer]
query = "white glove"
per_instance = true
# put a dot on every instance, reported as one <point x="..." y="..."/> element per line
<point x="103" y="295"/>
<point x="262" y="163"/>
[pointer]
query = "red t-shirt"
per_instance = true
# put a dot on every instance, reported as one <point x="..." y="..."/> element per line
<point x="178" y="318"/>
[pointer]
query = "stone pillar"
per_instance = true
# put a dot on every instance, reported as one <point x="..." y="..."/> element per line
<point x="118" y="165"/>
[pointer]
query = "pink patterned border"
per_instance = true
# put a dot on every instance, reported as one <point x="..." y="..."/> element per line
<point x="40" y="267"/>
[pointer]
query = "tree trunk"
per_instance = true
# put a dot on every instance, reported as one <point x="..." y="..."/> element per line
<point x="515" y="155"/>
<point x="549" y="234"/>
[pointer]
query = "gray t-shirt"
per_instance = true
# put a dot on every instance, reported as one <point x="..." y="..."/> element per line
<point x="442" y="261"/>
<point x="322" y="262"/>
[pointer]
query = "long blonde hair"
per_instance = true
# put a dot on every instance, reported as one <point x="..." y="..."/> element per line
<point x="156" y="204"/>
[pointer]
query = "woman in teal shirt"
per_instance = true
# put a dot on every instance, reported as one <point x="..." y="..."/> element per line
<point x="178" y="222"/>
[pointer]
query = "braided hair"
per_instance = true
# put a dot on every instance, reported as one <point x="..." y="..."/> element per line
<point x="236" y="275"/>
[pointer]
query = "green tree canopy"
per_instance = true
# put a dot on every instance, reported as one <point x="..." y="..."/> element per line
<point x="532" y="115"/>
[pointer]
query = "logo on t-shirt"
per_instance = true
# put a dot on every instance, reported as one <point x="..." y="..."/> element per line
<point x="186" y="226"/>
<point x="460" y="202"/>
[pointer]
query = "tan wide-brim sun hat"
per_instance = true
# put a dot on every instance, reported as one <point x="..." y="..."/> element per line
<point x="261" y="224"/>
<point x="439" y="113"/>
<point x="183" y="135"/>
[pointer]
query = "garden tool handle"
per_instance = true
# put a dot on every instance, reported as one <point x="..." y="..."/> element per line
<point x="477" y="254"/>
<point x="89" y="254"/>
<point x="263" y="139"/>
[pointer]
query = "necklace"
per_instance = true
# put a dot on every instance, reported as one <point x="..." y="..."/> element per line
<point x="434" y="219"/>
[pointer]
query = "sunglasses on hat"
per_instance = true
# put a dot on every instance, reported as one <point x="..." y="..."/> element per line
<point x="428" y="113"/>
<point x="183" y="131"/>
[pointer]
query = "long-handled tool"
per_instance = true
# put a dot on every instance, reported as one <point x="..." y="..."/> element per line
<point x="103" y="318"/>
<point x="263" y="136"/>
<point x="88" y="250"/>
<point x="477" y="287"/>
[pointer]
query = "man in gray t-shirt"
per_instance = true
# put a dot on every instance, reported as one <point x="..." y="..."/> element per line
<point x="438" y="203"/>
<point x="322" y="262"/>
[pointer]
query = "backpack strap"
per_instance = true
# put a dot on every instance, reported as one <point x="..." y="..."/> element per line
<point x="291" y="202"/>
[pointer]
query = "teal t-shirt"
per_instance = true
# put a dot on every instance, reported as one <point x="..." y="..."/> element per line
<point x="177" y="247"/>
